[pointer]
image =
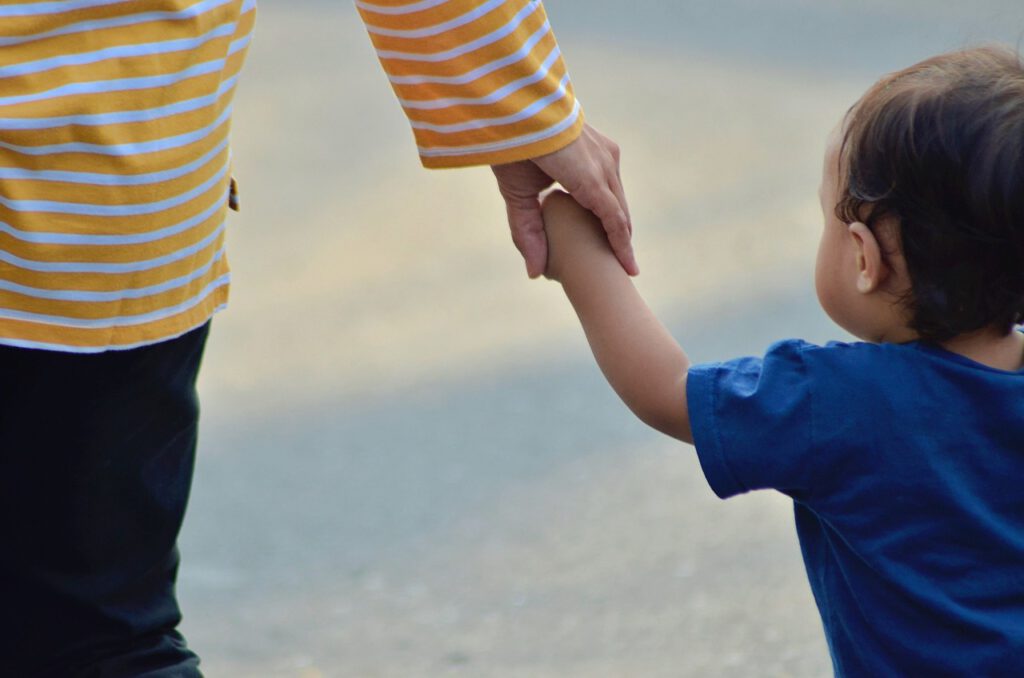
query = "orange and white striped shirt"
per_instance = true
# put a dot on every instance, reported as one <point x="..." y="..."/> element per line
<point x="114" y="155"/>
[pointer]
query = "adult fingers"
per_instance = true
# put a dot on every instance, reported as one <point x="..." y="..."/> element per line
<point x="610" y="160"/>
<point x="603" y="202"/>
<point x="615" y="184"/>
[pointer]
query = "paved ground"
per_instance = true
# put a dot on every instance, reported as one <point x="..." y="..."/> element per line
<point x="409" y="465"/>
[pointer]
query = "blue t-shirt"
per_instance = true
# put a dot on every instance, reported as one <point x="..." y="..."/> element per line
<point x="905" y="463"/>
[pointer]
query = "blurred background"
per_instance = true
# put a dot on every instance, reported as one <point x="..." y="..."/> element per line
<point x="409" y="464"/>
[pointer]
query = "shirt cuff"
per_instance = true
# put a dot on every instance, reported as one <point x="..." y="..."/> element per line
<point x="514" y="153"/>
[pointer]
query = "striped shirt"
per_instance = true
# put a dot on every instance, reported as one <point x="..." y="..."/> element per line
<point x="114" y="158"/>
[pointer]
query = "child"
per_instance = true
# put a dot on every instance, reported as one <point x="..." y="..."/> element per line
<point x="904" y="454"/>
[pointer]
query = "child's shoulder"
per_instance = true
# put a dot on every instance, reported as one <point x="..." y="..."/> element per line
<point x="850" y="364"/>
<point x="806" y="359"/>
<point x="884" y="356"/>
<point x="847" y="350"/>
<point x="859" y="352"/>
<point x="841" y="368"/>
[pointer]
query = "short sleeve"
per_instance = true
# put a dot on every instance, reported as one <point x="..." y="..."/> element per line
<point x="752" y="423"/>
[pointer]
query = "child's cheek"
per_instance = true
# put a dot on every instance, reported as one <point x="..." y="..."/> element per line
<point x="827" y="281"/>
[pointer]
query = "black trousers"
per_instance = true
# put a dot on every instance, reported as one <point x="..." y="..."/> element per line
<point x="96" y="460"/>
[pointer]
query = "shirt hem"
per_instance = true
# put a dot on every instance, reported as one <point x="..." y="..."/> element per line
<point x="192" y="322"/>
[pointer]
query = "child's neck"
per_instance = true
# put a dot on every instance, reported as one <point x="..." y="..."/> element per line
<point x="991" y="348"/>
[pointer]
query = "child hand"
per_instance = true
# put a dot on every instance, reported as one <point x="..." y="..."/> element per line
<point x="575" y="235"/>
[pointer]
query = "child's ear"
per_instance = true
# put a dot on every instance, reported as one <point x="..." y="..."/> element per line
<point x="871" y="267"/>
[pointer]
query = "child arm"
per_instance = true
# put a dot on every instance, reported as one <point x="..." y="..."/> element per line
<point x="637" y="355"/>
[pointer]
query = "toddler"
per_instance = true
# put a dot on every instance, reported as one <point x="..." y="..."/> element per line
<point x="903" y="453"/>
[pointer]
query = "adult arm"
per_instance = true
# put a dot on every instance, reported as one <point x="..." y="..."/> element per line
<point x="483" y="83"/>
<point x="640" y="359"/>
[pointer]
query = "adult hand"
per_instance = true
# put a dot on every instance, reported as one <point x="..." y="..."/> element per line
<point x="588" y="169"/>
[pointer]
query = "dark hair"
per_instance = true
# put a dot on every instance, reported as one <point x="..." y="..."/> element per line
<point x="939" y="149"/>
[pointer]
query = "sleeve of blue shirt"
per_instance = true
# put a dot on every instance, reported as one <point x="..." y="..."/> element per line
<point x="752" y="422"/>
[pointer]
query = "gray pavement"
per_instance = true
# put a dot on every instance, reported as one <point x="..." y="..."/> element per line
<point x="409" y="465"/>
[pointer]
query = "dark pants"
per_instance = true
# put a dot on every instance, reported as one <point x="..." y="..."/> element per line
<point x="96" y="460"/>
